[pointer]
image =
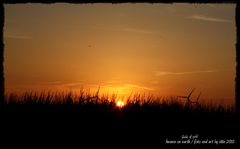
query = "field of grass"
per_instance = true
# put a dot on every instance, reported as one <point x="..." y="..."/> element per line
<point x="93" y="116"/>
<point x="106" y="103"/>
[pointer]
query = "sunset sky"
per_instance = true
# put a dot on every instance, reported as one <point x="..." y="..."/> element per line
<point x="161" y="49"/>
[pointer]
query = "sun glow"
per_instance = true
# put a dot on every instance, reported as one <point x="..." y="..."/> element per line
<point x="120" y="104"/>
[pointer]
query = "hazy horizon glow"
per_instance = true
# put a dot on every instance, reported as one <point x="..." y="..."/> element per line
<point x="161" y="49"/>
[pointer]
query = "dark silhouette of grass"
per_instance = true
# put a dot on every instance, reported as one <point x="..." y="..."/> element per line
<point x="142" y="118"/>
<point x="84" y="101"/>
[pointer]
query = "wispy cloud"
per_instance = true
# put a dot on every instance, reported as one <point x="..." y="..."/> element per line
<point x="165" y="73"/>
<point x="139" y="31"/>
<point x="211" y="5"/>
<point x="170" y="8"/>
<point x="62" y="84"/>
<point x="154" y="82"/>
<point x="138" y="86"/>
<point x="53" y="83"/>
<point x="72" y="85"/>
<point x="208" y="18"/>
<point x="126" y="29"/>
<point x="17" y="37"/>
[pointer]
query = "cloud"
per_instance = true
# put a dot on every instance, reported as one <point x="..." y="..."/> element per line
<point x="170" y="8"/>
<point x="72" y="85"/>
<point x="17" y="37"/>
<point x="53" y="83"/>
<point x="139" y="87"/>
<point x="139" y="31"/>
<point x="211" y="5"/>
<point x="127" y="29"/>
<point x="165" y="73"/>
<point x="154" y="82"/>
<point x="62" y="84"/>
<point x="207" y="18"/>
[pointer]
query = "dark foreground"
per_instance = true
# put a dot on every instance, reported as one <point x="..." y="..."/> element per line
<point x="120" y="127"/>
<point x="88" y="123"/>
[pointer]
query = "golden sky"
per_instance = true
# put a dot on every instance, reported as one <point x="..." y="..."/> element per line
<point x="161" y="49"/>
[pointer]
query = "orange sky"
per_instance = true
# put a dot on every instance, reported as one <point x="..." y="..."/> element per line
<point x="162" y="49"/>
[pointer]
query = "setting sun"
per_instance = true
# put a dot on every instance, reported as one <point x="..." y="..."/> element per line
<point x="120" y="104"/>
